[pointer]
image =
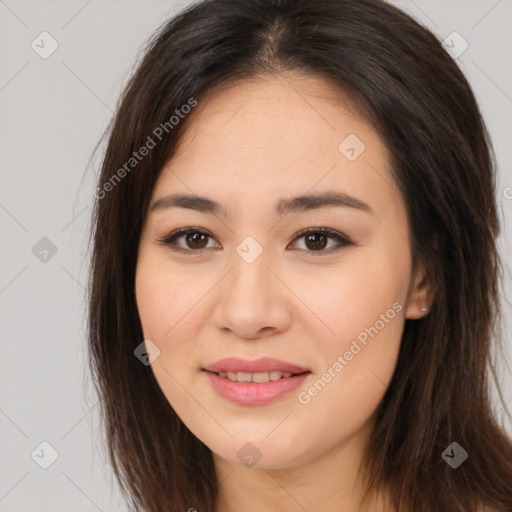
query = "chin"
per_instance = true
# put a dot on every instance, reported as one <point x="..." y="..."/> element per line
<point x="254" y="451"/>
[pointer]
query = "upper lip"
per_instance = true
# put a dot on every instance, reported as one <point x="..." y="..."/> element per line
<point x="264" y="364"/>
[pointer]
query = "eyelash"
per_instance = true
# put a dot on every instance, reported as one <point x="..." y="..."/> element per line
<point x="169" y="240"/>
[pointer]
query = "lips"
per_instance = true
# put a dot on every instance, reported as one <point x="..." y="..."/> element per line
<point x="256" y="382"/>
<point x="264" y="364"/>
<point x="251" y="393"/>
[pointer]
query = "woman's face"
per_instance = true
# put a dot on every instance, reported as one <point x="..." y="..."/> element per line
<point x="252" y="287"/>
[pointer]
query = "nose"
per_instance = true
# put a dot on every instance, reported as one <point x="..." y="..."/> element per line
<point x="252" y="301"/>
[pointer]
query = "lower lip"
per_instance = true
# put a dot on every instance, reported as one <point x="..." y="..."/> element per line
<point x="251" y="393"/>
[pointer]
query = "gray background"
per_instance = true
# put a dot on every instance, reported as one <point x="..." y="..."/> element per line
<point x="53" y="112"/>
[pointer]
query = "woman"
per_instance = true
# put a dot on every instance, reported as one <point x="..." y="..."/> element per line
<point x="294" y="284"/>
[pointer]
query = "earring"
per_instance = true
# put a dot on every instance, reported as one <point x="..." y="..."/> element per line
<point x="423" y="309"/>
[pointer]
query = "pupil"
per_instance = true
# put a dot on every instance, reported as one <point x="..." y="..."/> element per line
<point x="315" y="240"/>
<point x="193" y="238"/>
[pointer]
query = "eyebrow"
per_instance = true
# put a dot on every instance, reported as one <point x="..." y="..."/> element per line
<point x="284" y="206"/>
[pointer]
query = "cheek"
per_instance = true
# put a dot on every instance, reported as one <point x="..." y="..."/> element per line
<point x="165" y="304"/>
<point x="354" y="297"/>
<point x="170" y="305"/>
<point x="154" y="299"/>
<point x="357" y="363"/>
<point x="165" y="298"/>
<point x="363" y="308"/>
<point x="157" y="304"/>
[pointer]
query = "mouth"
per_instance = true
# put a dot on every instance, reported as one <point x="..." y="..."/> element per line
<point x="257" y="377"/>
<point x="245" y="368"/>
<point x="256" y="382"/>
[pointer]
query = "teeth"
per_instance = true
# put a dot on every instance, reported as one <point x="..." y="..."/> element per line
<point x="259" y="377"/>
<point x="243" y="377"/>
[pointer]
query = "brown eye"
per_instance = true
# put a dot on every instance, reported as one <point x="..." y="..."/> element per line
<point x="187" y="240"/>
<point x="316" y="241"/>
<point x="196" y="240"/>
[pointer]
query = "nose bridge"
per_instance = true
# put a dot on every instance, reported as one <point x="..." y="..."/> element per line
<point x="250" y="275"/>
<point x="250" y="302"/>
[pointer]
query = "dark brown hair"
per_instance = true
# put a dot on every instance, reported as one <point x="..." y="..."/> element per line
<point x="413" y="93"/>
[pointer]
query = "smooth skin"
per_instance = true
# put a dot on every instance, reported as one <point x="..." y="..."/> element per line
<point x="247" y="147"/>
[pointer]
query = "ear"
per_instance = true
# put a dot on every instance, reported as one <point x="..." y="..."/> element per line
<point x="421" y="294"/>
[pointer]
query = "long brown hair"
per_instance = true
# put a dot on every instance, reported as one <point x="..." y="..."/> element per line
<point x="409" y="88"/>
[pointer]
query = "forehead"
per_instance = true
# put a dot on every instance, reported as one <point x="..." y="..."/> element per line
<point x="274" y="110"/>
<point x="278" y="134"/>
